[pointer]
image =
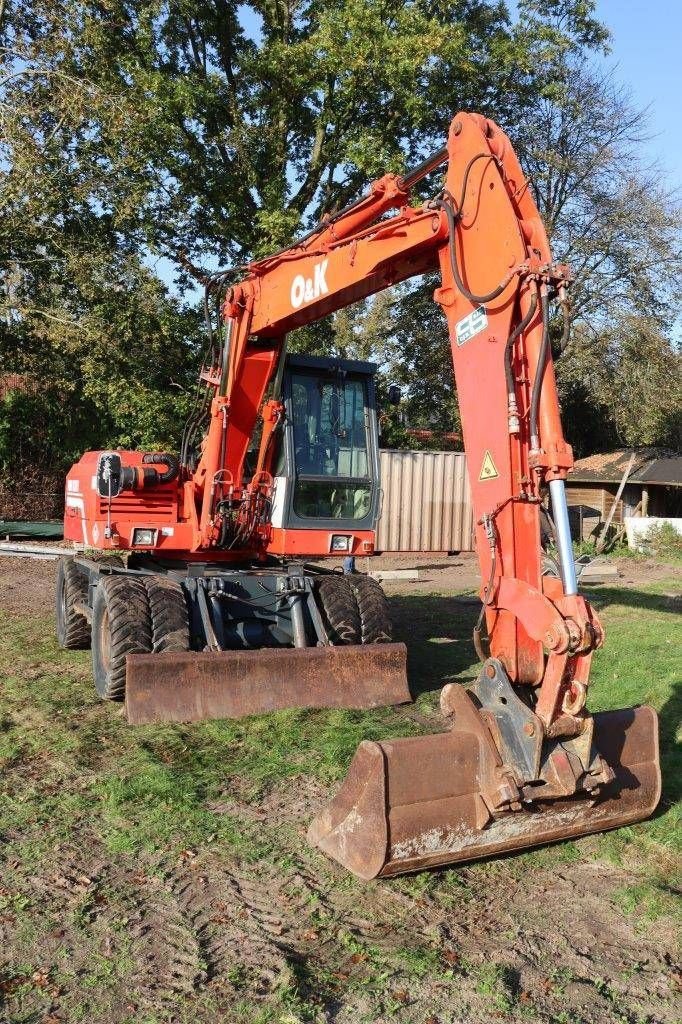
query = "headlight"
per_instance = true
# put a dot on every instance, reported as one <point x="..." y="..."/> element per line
<point x="143" y="538"/>
<point x="341" y="542"/>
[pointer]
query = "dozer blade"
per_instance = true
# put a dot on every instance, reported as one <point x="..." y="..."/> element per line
<point x="232" y="684"/>
<point x="425" y="801"/>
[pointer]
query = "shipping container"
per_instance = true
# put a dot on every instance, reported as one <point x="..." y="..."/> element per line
<point x="426" y="502"/>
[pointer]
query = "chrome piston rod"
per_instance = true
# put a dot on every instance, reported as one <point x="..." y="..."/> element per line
<point x="557" y="493"/>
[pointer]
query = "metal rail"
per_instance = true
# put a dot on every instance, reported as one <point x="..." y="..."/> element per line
<point x="33" y="551"/>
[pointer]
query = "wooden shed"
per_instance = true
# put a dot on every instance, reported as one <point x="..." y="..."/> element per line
<point x="653" y="487"/>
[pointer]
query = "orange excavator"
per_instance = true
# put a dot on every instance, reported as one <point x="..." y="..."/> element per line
<point x="217" y="612"/>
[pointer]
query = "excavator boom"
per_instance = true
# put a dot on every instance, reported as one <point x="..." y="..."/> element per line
<point x="523" y="762"/>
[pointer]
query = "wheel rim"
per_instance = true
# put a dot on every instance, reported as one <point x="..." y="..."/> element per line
<point x="62" y="601"/>
<point x="105" y="641"/>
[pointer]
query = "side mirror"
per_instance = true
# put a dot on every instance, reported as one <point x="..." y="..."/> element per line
<point x="394" y="394"/>
<point x="109" y="474"/>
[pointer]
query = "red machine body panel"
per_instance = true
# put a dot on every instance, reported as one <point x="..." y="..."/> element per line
<point x="86" y="513"/>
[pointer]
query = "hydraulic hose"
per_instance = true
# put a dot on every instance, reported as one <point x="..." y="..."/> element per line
<point x="162" y="459"/>
<point x="539" y="373"/>
<point x="509" y="375"/>
<point x="488" y="523"/>
<point x="478" y="300"/>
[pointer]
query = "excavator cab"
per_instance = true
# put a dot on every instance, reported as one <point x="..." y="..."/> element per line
<point x="326" y="466"/>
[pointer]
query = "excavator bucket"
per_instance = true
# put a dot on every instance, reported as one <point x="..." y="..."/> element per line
<point x="425" y="801"/>
<point x="232" y="684"/>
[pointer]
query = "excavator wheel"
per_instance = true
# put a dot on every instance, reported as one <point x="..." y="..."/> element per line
<point x="73" y="629"/>
<point x="121" y="625"/>
<point x="375" y="621"/>
<point x="339" y="609"/>
<point x="169" y="616"/>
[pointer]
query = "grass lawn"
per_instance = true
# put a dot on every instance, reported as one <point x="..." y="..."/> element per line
<point x="103" y="825"/>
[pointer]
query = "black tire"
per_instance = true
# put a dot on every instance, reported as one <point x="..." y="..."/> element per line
<point x="170" y="619"/>
<point x="73" y="629"/>
<point x="339" y="610"/>
<point x="375" y="621"/>
<point x="121" y="625"/>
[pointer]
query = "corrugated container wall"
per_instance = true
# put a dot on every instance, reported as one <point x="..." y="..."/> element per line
<point x="426" y="502"/>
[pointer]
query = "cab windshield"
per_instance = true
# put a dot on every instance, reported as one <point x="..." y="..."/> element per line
<point x="330" y="447"/>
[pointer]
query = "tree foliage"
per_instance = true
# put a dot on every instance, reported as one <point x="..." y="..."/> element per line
<point x="146" y="142"/>
<point x="623" y="386"/>
<point x="612" y="219"/>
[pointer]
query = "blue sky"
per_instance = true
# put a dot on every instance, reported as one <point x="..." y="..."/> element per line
<point x="645" y="50"/>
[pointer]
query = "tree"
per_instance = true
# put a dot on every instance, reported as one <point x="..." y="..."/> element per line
<point x="612" y="219"/>
<point x="622" y="387"/>
<point x="213" y="129"/>
<point x="609" y="215"/>
<point x="200" y="132"/>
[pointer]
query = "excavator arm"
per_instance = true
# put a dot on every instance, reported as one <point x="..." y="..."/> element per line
<point x="524" y="762"/>
<point x="484" y="235"/>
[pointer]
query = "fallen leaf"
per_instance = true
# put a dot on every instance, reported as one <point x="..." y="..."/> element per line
<point x="402" y="995"/>
<point x="8" y="985"/>
<point x="451" y="957"/>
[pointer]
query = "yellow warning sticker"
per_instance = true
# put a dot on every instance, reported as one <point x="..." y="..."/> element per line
<point x="488" y="470"/>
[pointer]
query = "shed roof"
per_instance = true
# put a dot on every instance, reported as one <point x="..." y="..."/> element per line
<point x="651" y="466"/>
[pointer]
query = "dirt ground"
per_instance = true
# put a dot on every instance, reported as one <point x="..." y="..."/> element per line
<point x="543" y="938"/>
<point x="28" y="585"/>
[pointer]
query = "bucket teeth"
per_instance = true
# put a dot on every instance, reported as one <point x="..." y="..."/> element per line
<point x="425" y="801"/>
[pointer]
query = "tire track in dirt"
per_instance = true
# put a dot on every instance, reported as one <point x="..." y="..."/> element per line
<point x="165" y="947"/>
<point x="189" y="926"/>
<point x="237" y="928"/>
<point x="384" y="917"/>
<point x="89" y="898"/>
<point x="256" y="926"/>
